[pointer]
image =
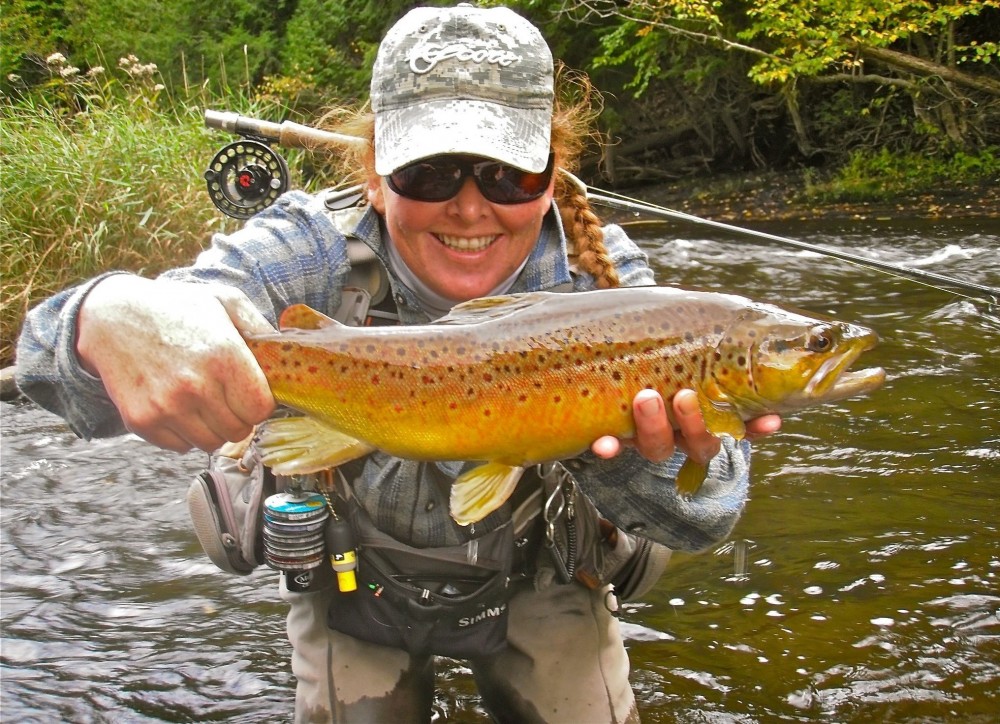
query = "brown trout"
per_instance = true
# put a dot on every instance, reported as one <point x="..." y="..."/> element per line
<point x="528" y="378"/>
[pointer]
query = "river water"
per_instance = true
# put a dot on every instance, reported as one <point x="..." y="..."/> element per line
<point x="862" y="584"/>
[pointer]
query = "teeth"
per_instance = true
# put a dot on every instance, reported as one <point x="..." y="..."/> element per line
<point x="464" y="243"/>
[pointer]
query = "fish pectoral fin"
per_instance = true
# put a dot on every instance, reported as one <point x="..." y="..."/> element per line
<point x="690" y="477"/>
<point x="299" y="445"/>
<point x="719" y="413"/>
<point x="301" y="316"/>
<point x="480" y="491"/>
<point x="723" y="421"/>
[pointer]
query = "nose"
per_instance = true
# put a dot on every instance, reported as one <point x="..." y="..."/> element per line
<point x="469" y="204"/>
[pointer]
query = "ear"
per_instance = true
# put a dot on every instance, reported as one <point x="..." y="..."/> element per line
<point x="376" y="194"/>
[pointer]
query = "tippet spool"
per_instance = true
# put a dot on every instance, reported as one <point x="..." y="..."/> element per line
<point x="293" y="531"/>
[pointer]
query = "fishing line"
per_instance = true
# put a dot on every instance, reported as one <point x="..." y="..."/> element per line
<point x="933" y="280"/>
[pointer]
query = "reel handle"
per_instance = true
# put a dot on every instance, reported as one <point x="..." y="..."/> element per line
<point x="288" y="133"/>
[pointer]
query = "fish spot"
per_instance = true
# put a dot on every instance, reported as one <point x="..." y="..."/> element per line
<point x="471" y="392"/>
<point x="556" y="399"/>
<point x="585" y="392"/>
<point x="375" y="379"/>
<point x="742" y="361"/>
<point x="460" y="351"/>
<point x="718" y="329"/>
<point x="689" y="337"/>
<point x="486" y="412"/>
<point x="287" y="347"/>
<point x="452" y="405"/>
<point x="718" y="355"/>
<point x="370" y="348"/>
<point x="616" y="376"/>
<point x="522" y="397"/>
<point x="487" y="377"/>
<point x="401" y="351"/>
<point x="313" y="369"/>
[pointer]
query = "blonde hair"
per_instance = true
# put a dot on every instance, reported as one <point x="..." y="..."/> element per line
<point x="577" y="106"/>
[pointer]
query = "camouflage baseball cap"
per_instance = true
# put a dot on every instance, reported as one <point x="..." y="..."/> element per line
<point x="462" y="80"/>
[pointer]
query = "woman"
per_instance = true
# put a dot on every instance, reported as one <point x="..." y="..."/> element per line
<point x="465" y="198"/>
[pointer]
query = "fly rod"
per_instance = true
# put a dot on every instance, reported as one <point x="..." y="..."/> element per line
<point x="295" y="135"/>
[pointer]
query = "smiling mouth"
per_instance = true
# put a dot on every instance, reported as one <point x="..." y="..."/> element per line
<point x="466" y="243"/>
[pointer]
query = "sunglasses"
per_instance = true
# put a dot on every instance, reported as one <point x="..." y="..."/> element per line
<point x="441" y="177"/>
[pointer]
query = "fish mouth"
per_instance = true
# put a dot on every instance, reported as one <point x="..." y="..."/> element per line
<point x="835" y="381"/>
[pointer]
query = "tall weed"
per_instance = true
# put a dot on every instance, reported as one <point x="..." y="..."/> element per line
<point x="99" y="173"/>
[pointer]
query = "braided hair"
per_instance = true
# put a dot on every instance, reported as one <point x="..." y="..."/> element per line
<point x="576" y="108"/>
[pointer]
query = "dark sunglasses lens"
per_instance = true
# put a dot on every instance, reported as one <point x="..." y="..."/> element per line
<point x="440" y="179"/>
<point x="428" y="181"/>
<point x="503" y="184"/>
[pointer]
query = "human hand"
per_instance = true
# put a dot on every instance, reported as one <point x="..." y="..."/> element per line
<point x="172" y="360"/>
<point x="659" y="429"/>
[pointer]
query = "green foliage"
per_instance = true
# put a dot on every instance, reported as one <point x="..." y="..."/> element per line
<point x="807" y="39"/>
<point x="885" y="175"/>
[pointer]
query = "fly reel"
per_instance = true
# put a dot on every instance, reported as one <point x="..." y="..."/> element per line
<point x="246" y="177"/>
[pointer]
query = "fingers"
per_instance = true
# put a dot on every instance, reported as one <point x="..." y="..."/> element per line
<point x="173" y="362"/>
<point x="606" y="447"/>
<point x="244" y="315"/>
<point x="762" y="426"/>
<point x="654" y="435"/>
<point x="693" y="437"/>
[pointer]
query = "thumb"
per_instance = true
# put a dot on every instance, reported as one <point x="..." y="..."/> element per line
<point x="244" y="315"/>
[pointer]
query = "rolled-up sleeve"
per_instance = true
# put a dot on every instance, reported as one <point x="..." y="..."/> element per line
<point x="641" y="497"/>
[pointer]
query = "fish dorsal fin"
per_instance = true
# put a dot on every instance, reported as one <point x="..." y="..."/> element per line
<point x="487" y="308"/>
<point x="300" y="316"/>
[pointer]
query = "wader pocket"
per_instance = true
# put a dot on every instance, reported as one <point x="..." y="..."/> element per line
<point x="225" y="503"/>
<point x="447" y="601"/>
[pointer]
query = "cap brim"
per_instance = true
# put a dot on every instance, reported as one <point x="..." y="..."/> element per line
<point x="518" y="136"/>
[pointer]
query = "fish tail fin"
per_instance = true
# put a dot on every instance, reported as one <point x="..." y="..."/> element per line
<point x="690" y="477"/>
<point x="480" y="491"/>
<point x="300" y="445"/>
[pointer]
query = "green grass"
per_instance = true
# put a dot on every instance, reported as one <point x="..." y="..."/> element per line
<point x="100" y="174"/>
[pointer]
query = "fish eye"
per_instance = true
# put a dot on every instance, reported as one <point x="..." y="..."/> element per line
<point x="820" y="340"/>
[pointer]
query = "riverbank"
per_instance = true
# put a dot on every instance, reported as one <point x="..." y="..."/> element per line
<point x="781" y="196"/>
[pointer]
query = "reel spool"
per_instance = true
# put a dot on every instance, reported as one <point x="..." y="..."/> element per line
<point x="246" y="177"/>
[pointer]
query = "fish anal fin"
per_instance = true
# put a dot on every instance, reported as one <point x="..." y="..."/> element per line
<point x="300" y="445"/>
<point x="690" y="477"/>
<point x="480" y="491"/>
<point x="301" y="316"/>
